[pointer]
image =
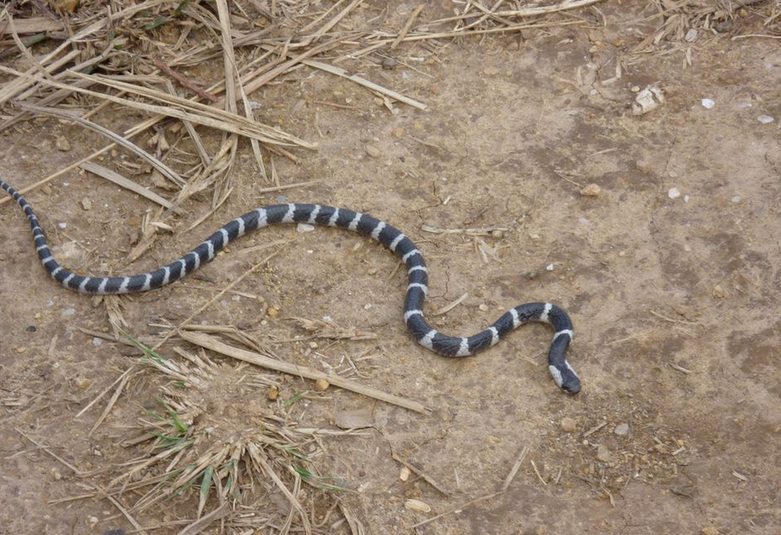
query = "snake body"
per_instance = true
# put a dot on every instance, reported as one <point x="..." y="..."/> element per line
<point x="315" y="214"/>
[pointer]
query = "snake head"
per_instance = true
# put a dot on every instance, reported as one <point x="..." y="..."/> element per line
<point x="571" y="385"/>
<point x="565" y="377"/>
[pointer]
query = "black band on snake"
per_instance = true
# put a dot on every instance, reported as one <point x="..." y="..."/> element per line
<point x="315" y="214"/>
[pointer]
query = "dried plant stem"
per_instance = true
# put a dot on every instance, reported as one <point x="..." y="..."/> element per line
<point x="527" y="12"/>
<point x="209" y="342"/>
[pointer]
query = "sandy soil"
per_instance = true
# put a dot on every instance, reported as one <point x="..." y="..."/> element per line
<point x="674" y="300"/>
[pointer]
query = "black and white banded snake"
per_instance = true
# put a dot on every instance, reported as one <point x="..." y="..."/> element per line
<point x="417" y="288"/>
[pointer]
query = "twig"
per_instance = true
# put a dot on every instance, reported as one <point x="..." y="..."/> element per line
<point x="124" y="512"/>
<point x="338" y="71"/>
<point x="559" y="173"/>
<point x="121" y="181"/>
<point x="534" y="466"/>
<point x="333" y="22"/>
<point x="673" y="320"/>
<point x="450" y="306"/>
<point x="184" y="81"/>
<point x="594" y="429"/>
<point x="515" y="468"/>
<point x="407" y="26"/>
<point x="484" y="231"/>
<point x="755" y="35"/>
<point x="412" y="468"/>
<point x="209" y="342"/>
<point x="288" y="186"/>
<point x="47" y="450"/>
<point x="528" y="12"/>
<point x="108" y="389"/>
<point x="111" y="403"/>
<point x="204" y="522"/>
<point x="679" y="368"/>
<point x="457" y="509"/>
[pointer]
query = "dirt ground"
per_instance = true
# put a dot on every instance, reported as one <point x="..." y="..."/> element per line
<point x="675" y="299"/>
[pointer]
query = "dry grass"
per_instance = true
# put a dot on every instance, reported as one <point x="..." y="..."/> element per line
<point x="681" y="26"/>
<point x="191" y="448"/>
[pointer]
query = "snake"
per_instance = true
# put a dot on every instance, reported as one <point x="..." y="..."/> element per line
<point x="315" y="214"/>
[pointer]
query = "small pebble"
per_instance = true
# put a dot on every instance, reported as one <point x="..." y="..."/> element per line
<point x="498" y="234"/>
<point x="648" y="100"/>
<point x="404" y="473"/>
<point x="272" y="393"/>
<point x="86" y="204"/>
<point x="568" y="425"/>
<point x="313" y="345"/>
<point x="549" y="267"/>
<point x="621" y="430"/>
<point x="490" y="71"/>
<point x="673" y="193"/>
<point x="62" y="143"/>
<point x="96" y="341"/>
<point x="21" y="349"/>
<point x="272" y="312"/>
<point x="707" y="103"/>
<point x="723" y="26"/>
<point x="373" y="151"/>
<point x="603" y="454"/>
<point x="765" y="119"/>
<point x="83" y="382"/>
<point x="388" y="63"/>
<point x="68" y="312"/>
<point x="354" y="419"/>
<point x="592" y="190"/>
<point x="483" y="307"/>
<point x="92" y="521"/>
<point x="718" y="292"/>
<point x="691" y="35"/>
<point x="321" y="385"/>
<point x="417" y="505"/>
<point x="304" y="227"/>
<point x="397" y="133"/>
<point x="735" y="199"/>
<point x="644" y="165"/>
